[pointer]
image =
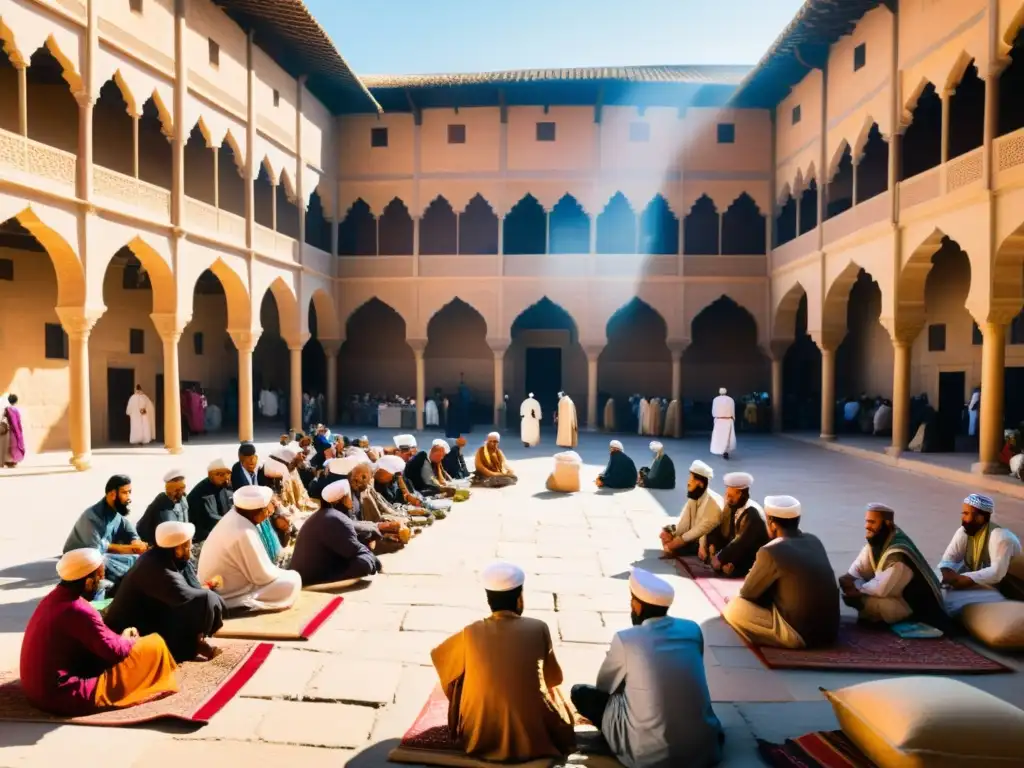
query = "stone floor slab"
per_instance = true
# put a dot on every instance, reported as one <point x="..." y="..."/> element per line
<point x="284" y="675"/>
<point x="734" y="685"/>
<point x="583" y="627"/>
<point x="438" y="619"/>
<point x="407" y="647"/>
<point x="366" y="616"/>
<point x="315" y="724"/>
<point x="239" y="720"/>
<point x="218" y="754"/>
<point x="357" y="681"/>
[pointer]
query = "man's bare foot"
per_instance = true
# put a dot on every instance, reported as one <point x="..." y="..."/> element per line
<point x="209" y="651"/>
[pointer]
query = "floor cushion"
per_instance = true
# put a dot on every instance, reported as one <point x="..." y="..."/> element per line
<point x="929" y="722"/>
<point x="997" y="625"/>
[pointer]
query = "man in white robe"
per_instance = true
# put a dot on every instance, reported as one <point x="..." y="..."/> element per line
<point x="642" y="415"/>
<point x="234" y="551"/>
<point x="268" y="403"/>
<point x="723" y="437"/>
<point x="568" y="432"/>
<point x="529" y="425"/>
<point x="701" y="514"/>
<point x="142" y="414"/>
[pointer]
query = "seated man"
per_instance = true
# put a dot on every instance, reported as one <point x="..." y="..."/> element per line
<point x="328" y="548"/>
<point x="394" y="528"/>
<point x="489" y="466"/>
<point x="701" y="514"/>
<point x="890" y="580"/>
<point x="789" y="599"/>
<point x="106" y="528"/>
<point x="454" y="462"/>
<point x="171" y="504"/>
<point x="209" y="500"/>
<point x="659" y="660"/>
<point x="975" y="565"/>
<point x="662" y="473"/>
<point x="500" y="676"/>
<point x="733" y="546"/>
<point x="405" y="447"/>
<point x="389" y="483"/>
<point x="277" y="531"/>
<point x="376" y="506"/>
<point x="235" y="552"/>
<point x="620" y="472"/>
<point x="72" y="664"/>
<point x="427" y="475"/>
<point x="162" y="595"/>
<point x="246" y="470"/>
<point x="566" y="475"/>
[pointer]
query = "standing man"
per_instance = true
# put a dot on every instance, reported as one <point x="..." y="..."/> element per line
<point x="734" y="545"/>
<point x="142" y="414"/>
<point x="568" y="432"/>
<point x="171" y="505"/>
<point x="651" y="702"/>
<point x="529" y="425"/>
<point x="723" y="437"/>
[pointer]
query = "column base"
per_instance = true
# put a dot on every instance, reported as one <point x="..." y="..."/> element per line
<point x="81" y="463"/>
<point x="175" y="450"/>
<point x="823" y="436"/>
<point x="894" y="450"/>
<point x="989" y="468"/>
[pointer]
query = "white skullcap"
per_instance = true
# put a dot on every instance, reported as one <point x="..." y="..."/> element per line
<point x="530" y="395"/>
<point x="217" y="465"/>
<point x="493" y="436"/>
<point x="336" y="491"/>
<point x="782" y="507"/>
<point x="615" y="444"/>
<point x="568" y="457"/>
<point x="252" y="497"/>
<point x="441" y="444"/>
<point x="502" y="577"/>
<point x="392" y="464"/>
<point x="78" y="563"/>
<point x="172" y="533"/>
<point x="377" y="449"/>
<point x="656" y="446"/>
<point x="275" y="469"/>
<point x="346" y="464"/>
<point x="738" y="480"/>
<point x="651" y="589"/>
<point x="174" y="474"/>
<point x="879" y="507"/>
<point x="981" y="502"/>
<point x="404" y="441"/>
<point x="364" y="439"/>
<point x="700" y="468"/>
<point x="284" y="453"/>
<point x="722" y="390"/>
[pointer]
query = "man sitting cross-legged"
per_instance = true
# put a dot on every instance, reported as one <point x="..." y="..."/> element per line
<point x="662" y="473"/>
<point x="652" y="702"/>
<point x="733" y="546"/>
<point x="454" y="462"/>
<point x="500" y="676"/>
<point x="171" y="504"/>
<point x="72" y="664"/>
<point x="389" y="482"/>
<point x="491" y="469"/>
<point x="620" y="472"/>
<point x="426" y="473"/>
<point x="366" y="509"/>
<point x="701" y="514"/>
<point x="890" y="581"/>
<point x="210" y="499"/>
<point x="789" y="599"/>
<point x="162" y="594"/>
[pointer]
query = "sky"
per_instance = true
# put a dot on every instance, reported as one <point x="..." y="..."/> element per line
<point x="432" y="36"/>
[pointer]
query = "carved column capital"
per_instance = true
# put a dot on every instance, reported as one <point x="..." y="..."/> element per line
<point x="296" y="343"/>
<point x="245" y="338"/>
<point x="592" y="350"/>
<point x="78" y="322"/>
<point x="331" y="347"/>
<point x="677" y="347"/>
<point x="169" y="326"/>
<point x="417" y="346"/>
<point x="499" y="346"/>
<point x="84" y="99"/>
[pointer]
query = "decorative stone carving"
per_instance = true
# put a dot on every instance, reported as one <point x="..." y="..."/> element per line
<point x="12" y="151"/>
<point x="78" y="322"/>
<point x="964" y="170"/>
<point x="1011" y="151"/>
<point x="245" y="338"/>
<point x="50" y="163"/>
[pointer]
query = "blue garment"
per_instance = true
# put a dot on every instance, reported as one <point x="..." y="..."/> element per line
<point x="99" y="527"/>
<point x="269" y="538"/>
<point x="659" y="714"/>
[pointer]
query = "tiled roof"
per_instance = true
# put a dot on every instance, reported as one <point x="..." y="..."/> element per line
<point x="289" y="34"/>
<point x="709" y="74"/>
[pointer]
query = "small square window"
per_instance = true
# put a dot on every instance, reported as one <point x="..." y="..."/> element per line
<point x="726" y="133"/>
<point x="136" y="341"/>
<point x="6" y="269"/>
<point x="135" y="6"/>
<point x="639" y="132"/>
<point x="456" y="134"/>
<point x="860" y="56"/>
<point x="277" y="98"/>
<point x="56" y="342"/>
<point x="976" y="338"/>
<point x="937" y="337"/>
<point x="214" y="53"/>
<point x="545" y="131"/>
<point x="197" y="343"/>
<point x="796" y="114"/>
<point x="378" y="137"/>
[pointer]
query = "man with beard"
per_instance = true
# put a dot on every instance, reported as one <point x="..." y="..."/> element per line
<point x="162" y="595"/>
<point x="170" y="505"/>
<point x="620" y="472"/>
<point x="975" y="565"/>
<point x="890" y="580"/>
<point x="454" y="462"/>
<point x="660" y="659"/>
<point x="490" y="469"/>
<point x="701" y="514"/>
<point x="394" y="529"/>
<point x="209" y="500"/>
<point x="106" y="528"/>
<point x="662" y="473"/>
<point x="425" y="471"/>
<point x="72" y="664"/>
<point x="246" y="470"/>
<point x="405" y="447"/>
<point x="733" y="546"/>
<point x="789" y="599"/>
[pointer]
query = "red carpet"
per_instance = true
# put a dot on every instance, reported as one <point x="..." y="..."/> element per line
<point x="824" y="749"/>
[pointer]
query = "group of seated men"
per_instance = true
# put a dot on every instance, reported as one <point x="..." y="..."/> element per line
<point x="621" y="472"/>
<point x="790" y="598"/>
<point x="248" y="537"/>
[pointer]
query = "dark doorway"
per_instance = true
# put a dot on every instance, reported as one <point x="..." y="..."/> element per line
<point x="544" y="377"/>
<point x="1014" y="408"/>
<point x="951" y="408"/>
<point x="120" y="388"/>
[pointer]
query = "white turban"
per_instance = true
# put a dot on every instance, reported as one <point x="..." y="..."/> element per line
<point x="738" y="480"/>
<point x="441" y="444"/>
<point x="655" y="446"/>
<point x="651" y="589"/>
<point x="252" y="497"/>
<point x="336" y="491"/>
<point x="493" y="436"/>
<point x="782" y="507"/>
<point x="502" y="577"/>
<point x="615" y="445"/>
<point x="392" y="464"/>
<point x="217" y="465"/>
<point x="284" y="453"/>
<point x="700" y="468"/>
<point x="174" y="474"/>
<point x="275" y="469"/>
<point x="405" y="441"/>
<point x="346" y="464"/>
<point x="79" y="563"/>
<point x="173" y="532"/>
<point x="568" y="457"/>
<point x="981" y="503"/>
<point x="722" y="391"/>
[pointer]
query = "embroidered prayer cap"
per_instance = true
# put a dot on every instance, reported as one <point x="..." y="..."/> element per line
<point x="336" y="491"/>
<point x="651" y="589"/>
<point x="981" y="503"/>
<point x="275" y="469"/>
<point x="615" y="445"/>
<point x="217" y="465"/>
<point x="738" y="480"/>
<point x="441" y="444"/>
<point x="173" y="532"/>
<point x="722" y="390"/>
<point x="700" y="468"/>
<point x="252" y="497"/>
<point x="392" y="464"/>
<point x="494" y="436"/>
<point x="246" y="449"/>
<point x="79" y="563"/>
<point x="782" y="507"/>
<point x="174" y="474"/>
<point x="404" y="441"/>
<point x="655" y="446"/>
<point x="502" y="577"/>
<point x="876" y="506"/>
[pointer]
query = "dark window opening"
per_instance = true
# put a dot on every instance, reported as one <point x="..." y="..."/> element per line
<point x="197" y="342"/>
<point x="135" y="6"/>
<point x="1016" y="335"/>
<point x="922" y="142"/>
<point x="785" y="222"/>
<point x="525" y="228"/>
<point x="570" y="227"/>
<point x="56" y="342"/>
<point x="378" y="137"/>
<point x="937" y="337"/>
<point x="726" y="133"/>
<point x="439" y="229"/>
<point x="277" y="98"/>
<point x="136" y="341"/>
<point x="796" y="114"/>
<point x="976" y="338"/>
<point x="1011" y="85"/>
<point x="809" y="208"/>
<point x="967" y="114"/>
<point x="659" y="229"/>
<point x="545" y="131"/>
<point x="743" y="228"/>
<point x="357" y="232"/>
<point x="840" y="189"/>
<point x="395" y="230"/>
<point x="456" y="134"/>
<point x="478" y="228"/>
<point x="860" y="56"/>
<point x="214" y="53"/>
<point x="616" y="227"/>
<point x="7" y="269"/>
<point x="873" y="168"/>
<point x="700" y="229"/>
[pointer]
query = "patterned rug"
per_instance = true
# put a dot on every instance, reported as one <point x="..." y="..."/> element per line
<point x="299" y="622"/>
<point x="823" y="749"/>
<point x="860" y="647"/>
<point x="204" y="687"/>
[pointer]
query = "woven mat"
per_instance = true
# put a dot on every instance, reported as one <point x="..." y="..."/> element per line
<point x="822" y="749"/>
<point x="299" y="622"/>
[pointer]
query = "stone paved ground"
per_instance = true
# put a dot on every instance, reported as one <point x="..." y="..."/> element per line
<point x="345" y="697"/>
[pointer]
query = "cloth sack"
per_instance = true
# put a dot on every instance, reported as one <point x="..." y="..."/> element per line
<point x="997" y="625"/>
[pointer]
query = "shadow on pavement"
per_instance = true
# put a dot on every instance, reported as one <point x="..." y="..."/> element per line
<point x="40" y="573"/>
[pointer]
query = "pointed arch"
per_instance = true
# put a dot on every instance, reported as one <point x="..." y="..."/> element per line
<point x="71" y="285"/>
<point x="161" y="277"/>
<point x="357" y="232"/>
<point x="744" y="229"/>
<point x="68" y="70"/>
<point x="460" y="320"/>
<point x="873" y="168"/>
<point x="542" y="313"/>
<point x="922" y="140"/>
<point x="240" y="315"/>
<point x="808" y="208"/>
<point x="395" y="230"/>
<point x="287" y="308"/>
<point x="636" y="357"/>
<point x="784" y="322"/>
<point x="913" y="276"/>
<point x="839" y="192"/>
<point x="53" y="112"/>
<point x="837" y="298"/>
<point x="439" y="229"/>
<point x="723" y="333"/>
<point x="967" y="112"/>
<point x="570" y="227"/>
<point x="525" y="228"/>
<point x="701" y="228"/>
<point x="785" y="221"/>
<point x="659" y="228"/>
<point x="328" y="325"/>
<point x="478" y="228"/>
<point x="616" y="226"/>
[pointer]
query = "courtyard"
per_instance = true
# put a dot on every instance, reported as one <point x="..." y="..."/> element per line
<point x="346" y="696"/>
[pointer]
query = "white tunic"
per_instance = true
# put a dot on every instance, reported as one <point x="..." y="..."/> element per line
<point x="430" y="415"/>
<point x="566" y="423"/>
<point x="268" y="403"/>
<point x="723" y="437"/>
<point x="642" y="413"/>
<point x="235" y="552"/>
<point x="143" y="419"/>
<point x="1003" y="546"/>
<point x="529" y="425"/>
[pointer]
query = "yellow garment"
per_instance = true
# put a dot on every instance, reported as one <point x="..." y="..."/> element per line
<point x="147" y="674"/>
<point x="500" y="675"/>
<point x="672" y="420"/>
<point x="494" y="463"/>
<point x="609" y="415"/>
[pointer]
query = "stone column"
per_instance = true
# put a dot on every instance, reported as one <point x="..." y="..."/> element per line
<point x="677" y="348"/>
<point x="777" y="354"/>
<point x="22" y="68"/>
<point x="180" y="130"/>
<point x="170" y="327"/>
<point x="901" y="359"/>
<point x="250" y="153"/>
<point x="216" y="177"/>
<point x="418" y="347"/>
<point x="828" y="391"/>
<point x="991" y="127"/>
<point x="295" y="387"/>
<point x="593" y="352"/>
<point x="245" y="343"/>
<point x="331" y="347"/>
<point x="993" y="369"/>
<point x="83" y="182"/>
<point x="499" y="347"/>
<point x="78" y="323"/>
<point x="944" y="156"/>
<point x="135" y="147"/>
